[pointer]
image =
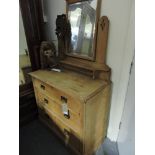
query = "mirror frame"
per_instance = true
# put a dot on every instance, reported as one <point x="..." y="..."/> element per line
<point x="98" y="8"/>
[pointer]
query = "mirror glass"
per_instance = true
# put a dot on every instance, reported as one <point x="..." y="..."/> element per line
<point x="82" y="17"/>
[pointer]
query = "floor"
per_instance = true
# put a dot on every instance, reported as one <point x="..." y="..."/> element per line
<point x="37" y="139"/>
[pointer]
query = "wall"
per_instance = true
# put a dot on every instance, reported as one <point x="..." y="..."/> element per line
<point x="126" y="138"/>
<point x="22" y="38"/>
<point x="119" y="53"/>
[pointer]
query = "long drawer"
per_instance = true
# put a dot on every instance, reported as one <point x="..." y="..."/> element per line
<point x="69" y="136"/>
<point x="74" y="120"/>
<point x="57" y="96"/>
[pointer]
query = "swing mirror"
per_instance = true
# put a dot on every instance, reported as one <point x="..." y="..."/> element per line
<point x="83" y="17"/>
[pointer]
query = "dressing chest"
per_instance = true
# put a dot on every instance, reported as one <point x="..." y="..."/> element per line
<point x="75" y="102"/>
<point x="82" y="123"/>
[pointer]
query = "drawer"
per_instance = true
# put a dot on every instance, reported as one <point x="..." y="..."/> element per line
<point x="73" y="120"/>
<point x="57" y="96"/>
<point x="69" y="136"/>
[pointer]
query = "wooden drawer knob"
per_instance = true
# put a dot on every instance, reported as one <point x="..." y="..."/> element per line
<point x="45" y="100"/>
<point x="42" y="87"/>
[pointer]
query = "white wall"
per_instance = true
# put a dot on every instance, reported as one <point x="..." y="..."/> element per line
<point x="126" y="138"/>
<point x="119" y="53"/>
<point x="22" y="38"/>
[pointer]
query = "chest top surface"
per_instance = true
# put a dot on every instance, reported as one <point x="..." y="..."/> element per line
<point x="74" y="84"/>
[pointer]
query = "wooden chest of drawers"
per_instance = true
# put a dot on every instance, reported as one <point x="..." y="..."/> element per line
<point x="74" y="106"/>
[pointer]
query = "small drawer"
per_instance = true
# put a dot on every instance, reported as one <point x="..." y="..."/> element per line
<point x="73" y="120"/>
<point x="69" y="136"/>
<point x="57" y="95"/>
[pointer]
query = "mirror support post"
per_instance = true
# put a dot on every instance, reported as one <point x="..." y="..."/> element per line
<point x="102" y="39"/>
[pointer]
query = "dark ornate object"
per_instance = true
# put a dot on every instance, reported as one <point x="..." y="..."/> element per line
<point x="63" y="32"/>
<point x="48" y="55"/>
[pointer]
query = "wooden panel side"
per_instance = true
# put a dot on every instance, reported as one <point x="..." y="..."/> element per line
<point x="102" y="39"/>
<point x="73" y="1"/>
<point x="102" y="118"/>
<point x="96" y="116"/>
<point x="105" y="75"/>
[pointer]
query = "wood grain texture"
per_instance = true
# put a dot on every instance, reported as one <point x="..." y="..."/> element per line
<point x="73" y="1"/>
<point x="55" y="108"/>
<point x="55" y="96"/>
<point x="85" y="64"/>
<point x="76" y="85"/>
<point x="95" y="70"/>
<point x="96" y="118"/>
<point x="59" y="128"/>
<point x="85" y="129"/>
<point x="30" y="11"/>
<point x="98" y="12"/>
<point x="102" y="39"/>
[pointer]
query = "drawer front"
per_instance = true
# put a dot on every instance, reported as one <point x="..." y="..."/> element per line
<point x="73" y="120"/>
<point x="57" y="96"/>
<point x="70" y="137"/>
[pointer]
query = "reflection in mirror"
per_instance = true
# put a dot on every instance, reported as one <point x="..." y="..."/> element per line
<point x="24" y="59"/>
<point x="82" y="17"/>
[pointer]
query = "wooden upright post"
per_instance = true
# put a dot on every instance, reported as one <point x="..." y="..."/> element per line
<point x="102" y="38"/>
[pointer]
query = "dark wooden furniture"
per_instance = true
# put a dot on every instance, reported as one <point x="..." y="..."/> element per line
<point x="32" y="21"/>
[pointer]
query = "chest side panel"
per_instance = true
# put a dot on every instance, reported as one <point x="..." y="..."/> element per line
<point x="96" y="118"/>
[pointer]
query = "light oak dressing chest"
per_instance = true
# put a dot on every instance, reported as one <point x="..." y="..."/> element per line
<point x="75" y="102"/>
<point x="83" y="126"/>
